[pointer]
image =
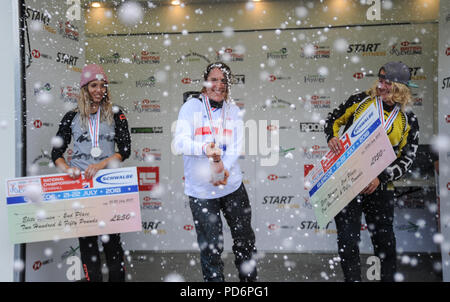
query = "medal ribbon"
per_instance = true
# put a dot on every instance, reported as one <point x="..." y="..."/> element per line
<point x="210" y="119"/>
<point x="94" y="128"/>
<point x="388" y="123"/>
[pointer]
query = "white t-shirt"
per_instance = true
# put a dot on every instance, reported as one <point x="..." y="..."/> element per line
<point x="193" y="132"/>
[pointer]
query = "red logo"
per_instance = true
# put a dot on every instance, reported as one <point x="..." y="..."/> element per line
<point x="316" y="147"/>
<point x="447" y="118"/>
<point x="307" y="168"/>
<point x="272" y="128"/>
<point x="37" y="265"/>
<point x="405" y="43"/>
<point x="188" y="227"/>
<point x="37" y="124"/>
<point x="229" y="50"/>
<point x="35" y="53"/>
<point x="272" y="177"/>
<point x="146" y="102"/>
<point x="122" y="117"/>
<point x="272" y="78"/>
<point x="448" y="186"/>
<point x="145" y="53"/>
<point x="186" y="81"/>
<point x="148" y="178"/>
<point x="358" y="75"/>
<point x="146" y="198"/>
<point x="447" y="51"/>
<point x="364" y="227"/>
<point x="315" y="97"/>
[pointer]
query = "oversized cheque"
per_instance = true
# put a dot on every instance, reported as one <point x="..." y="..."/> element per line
<point x="336" y="179"/>
<point x="54" y="207"/>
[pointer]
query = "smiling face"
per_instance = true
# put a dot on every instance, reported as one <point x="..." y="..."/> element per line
<point x="97" y="91"/>
<point x="217" y="85"/>
<point x="384" y="89"/>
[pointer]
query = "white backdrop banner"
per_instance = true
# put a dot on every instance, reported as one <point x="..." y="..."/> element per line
<point x="285" y="81"/>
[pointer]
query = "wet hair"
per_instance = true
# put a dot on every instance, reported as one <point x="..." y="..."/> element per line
<point x="226" y="72"/>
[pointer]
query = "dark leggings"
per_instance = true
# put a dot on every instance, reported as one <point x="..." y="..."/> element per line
<point x="378" y="209"/>
<point x="208" y="225"/>
<point x="90" y="256"/>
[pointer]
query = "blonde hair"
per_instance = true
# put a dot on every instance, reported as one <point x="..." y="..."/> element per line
<point x="400" y="93"/>
<point x="84" y="107"/>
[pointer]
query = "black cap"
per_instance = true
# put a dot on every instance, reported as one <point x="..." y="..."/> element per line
<point x="397" y="72"/>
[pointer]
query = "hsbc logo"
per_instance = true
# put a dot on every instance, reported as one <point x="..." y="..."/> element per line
<point x="272" y="177"/>
<point x="273" y="78"/>
<point x="447" y="51"/>
<point x="147" y="198"/>
<point x="38" y="264"/>
<point x="188" y="227"/>
<point x="36" y="54"/>
<point x="272" y="227"/>
<point x="447" y="118"/>
<point x="405" y="43"/>
<point x="187" y="81"/>
<point x="39" y="124"/>
<point x="360" y="75"/>
<point x="448" y="186"/>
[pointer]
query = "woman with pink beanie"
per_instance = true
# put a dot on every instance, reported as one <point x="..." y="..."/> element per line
<point x="96" y="127"/>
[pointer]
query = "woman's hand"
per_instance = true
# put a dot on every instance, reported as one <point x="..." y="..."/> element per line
<point x="224" y="181"/>
<point x="93" y="169"/>
<point x="335" y="145"/>
<point x="213" y="152"/>
<point x="371" y="187"/>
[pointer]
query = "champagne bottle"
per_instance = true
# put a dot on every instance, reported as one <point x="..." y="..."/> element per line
<point x="217" y="170"/>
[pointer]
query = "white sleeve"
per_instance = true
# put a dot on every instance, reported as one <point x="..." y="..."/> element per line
<point x="184" y="142"/>
<point x="234" y="147"/>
